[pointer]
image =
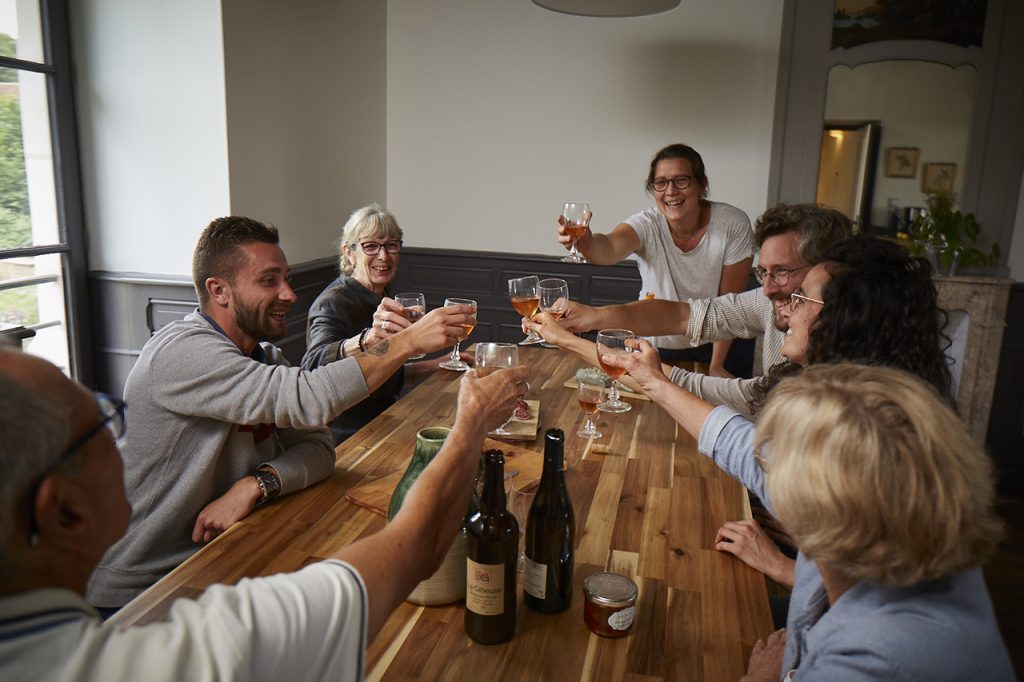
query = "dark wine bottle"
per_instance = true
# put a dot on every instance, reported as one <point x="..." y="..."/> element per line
<point x="550" y="535"/>
<point x="492" y="546"/>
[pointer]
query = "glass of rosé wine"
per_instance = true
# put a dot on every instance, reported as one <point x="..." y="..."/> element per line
<point x="576" y="221"/>
<point x="613" y="342"/>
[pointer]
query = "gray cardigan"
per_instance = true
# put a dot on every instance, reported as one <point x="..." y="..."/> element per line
<point x="201" y="415"/>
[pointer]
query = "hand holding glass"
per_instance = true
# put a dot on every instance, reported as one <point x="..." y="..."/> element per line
<point x="454" y="362"/>
<point x="554" y="299"/>
<point x="525" y="299"/>
<point x="492" y="356"/>
<point x="414" y="306"/>
<point x="613" y="342"/>
<point x="575" y="219"/>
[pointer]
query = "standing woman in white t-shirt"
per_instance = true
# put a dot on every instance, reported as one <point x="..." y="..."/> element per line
<point x="687" y="247"/>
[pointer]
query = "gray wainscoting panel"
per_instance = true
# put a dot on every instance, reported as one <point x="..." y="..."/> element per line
<point x="131" y="307"/>
<point x="483" y="277"/>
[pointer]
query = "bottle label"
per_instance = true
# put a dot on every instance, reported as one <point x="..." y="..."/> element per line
<point x="485" y="587"/>
<point x="535" y="578"/>
<point x="621" y="620"/>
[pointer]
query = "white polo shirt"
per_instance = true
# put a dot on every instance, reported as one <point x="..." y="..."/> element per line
<point x="305" y="625"/>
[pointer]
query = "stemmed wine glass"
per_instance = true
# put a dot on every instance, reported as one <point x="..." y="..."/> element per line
<point x="589" y="396"/>
<point x="613" y="342"/>
<point x="575" y="219"/>
<point x="492" y="356"/>
<point x="414" y="306"/>
<point x="523" y="292"/>
<point x="554" y="299"/>
<point x="454" y="362"/>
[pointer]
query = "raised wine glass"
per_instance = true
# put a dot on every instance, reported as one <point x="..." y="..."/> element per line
<point x="554" y="299"/>
<point x="492" y="356"/>
<point x="454" y="362"/>
<point x="576" y="219"/>
<point x="589" y="396"/>
<point x="613" y="342"/>
<point x="523" y="292"/>
<point x="414" y="306"/>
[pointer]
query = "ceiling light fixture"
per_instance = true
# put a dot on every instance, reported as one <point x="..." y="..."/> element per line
<point x="609" y="8"/>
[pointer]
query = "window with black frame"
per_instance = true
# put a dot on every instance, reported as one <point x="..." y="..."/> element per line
<point x="42" y="259"/>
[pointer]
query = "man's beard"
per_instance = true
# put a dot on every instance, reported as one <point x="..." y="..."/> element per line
<point x="256" y="325"/>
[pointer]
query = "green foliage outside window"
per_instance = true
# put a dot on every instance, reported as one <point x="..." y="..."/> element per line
<point x="18" y="306"/>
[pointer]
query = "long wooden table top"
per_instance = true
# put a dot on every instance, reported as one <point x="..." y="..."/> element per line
<point x="649" y="508"/>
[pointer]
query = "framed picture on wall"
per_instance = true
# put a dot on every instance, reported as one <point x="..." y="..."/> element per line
<point x="901" y="162"/>
<point x="938" y="177"/>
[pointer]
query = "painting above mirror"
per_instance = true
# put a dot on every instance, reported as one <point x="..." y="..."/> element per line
<point x="923" y="112"/>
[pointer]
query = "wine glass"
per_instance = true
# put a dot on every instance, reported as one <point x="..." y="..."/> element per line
<point x="523" y="292"/>
<point x="554" y="299"/>
<point x="492" y="356"/>
<point x="414" y="306"/>
<point x="589" y="396"/>
<point x="576" y="218"/>
<point x="454" y="362"/>
<point x="613" y="342"/>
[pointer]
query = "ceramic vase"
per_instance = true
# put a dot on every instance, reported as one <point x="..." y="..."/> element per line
<point x="448" y="583"/>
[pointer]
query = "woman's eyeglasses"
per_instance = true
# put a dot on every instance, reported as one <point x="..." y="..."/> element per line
<point x="680" y="182"/>
<point x="373" y="248"/>
<point x="796" y="300"/>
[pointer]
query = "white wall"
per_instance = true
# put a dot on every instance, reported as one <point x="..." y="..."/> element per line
<point x="306" y="120"/>
<point x="499" y="111"/>
<point x="150" y="98"/>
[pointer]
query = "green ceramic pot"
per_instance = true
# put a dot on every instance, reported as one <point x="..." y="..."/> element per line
<point x="428" y="443"/>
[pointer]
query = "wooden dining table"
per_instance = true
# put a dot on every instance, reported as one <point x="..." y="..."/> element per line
<point x="646" y="503"/>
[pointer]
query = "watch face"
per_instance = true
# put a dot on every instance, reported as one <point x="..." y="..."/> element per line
<point x="269" y="485"/>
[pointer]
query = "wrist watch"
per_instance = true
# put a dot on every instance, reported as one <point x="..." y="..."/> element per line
<point x="269" y="485"/>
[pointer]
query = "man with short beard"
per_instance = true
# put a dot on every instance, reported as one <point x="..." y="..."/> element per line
<point x="220" y="422"/>
<point x="792" y="238"/>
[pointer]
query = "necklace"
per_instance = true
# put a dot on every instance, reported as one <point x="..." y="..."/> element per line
<point x="689" y="242"/>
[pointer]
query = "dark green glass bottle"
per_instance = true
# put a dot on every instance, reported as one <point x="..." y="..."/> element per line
<point x="550" y="535"/>
<point x="492" y="546"/>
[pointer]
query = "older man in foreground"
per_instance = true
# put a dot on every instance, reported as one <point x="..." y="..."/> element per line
<point x="63" y="504"/>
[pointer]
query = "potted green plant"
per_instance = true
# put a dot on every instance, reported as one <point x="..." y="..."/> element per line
<point x="947" y="237"/>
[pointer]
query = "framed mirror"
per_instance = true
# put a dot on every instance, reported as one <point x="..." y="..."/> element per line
<point x="985" y="172"/>
<point x="919" y="113"/>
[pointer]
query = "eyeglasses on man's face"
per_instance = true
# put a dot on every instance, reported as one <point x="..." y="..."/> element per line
<point x="373" y="248"/>
<point x="796" y="300"/>
<point x="680" y="182"/>
<point x="111" y="418"/>
<point x="780" y="276"/>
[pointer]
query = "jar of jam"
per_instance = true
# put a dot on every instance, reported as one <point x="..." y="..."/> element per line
<point x="609" y="607"/>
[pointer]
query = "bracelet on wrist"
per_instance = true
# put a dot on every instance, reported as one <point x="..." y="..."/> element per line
<point x="362" y="339"/>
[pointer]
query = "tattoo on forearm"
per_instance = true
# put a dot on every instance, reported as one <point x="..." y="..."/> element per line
<point x="379" y="348"/>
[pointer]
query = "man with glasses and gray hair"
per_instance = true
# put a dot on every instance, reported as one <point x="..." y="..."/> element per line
<point x="223" y="423"/>
<point x="63" y="503"/>
<point x="791" y="237"/>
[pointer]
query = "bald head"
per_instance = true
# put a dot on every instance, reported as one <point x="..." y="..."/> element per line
<point x="35" y="399"/>
<point x="33" y="373"/>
